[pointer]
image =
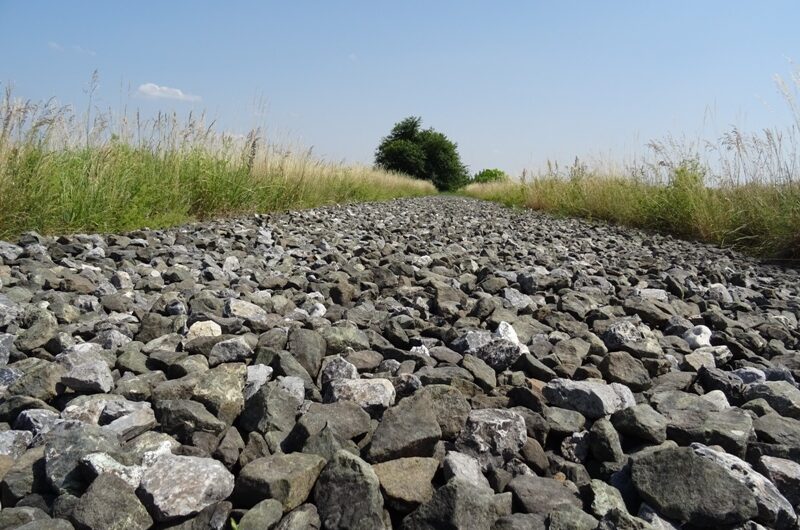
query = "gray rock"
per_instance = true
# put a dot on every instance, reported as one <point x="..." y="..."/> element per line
<point x="407" y="429"/>
<point x="110" y="504"/>
<point x="781" y="396"/>
<point x="304" y="517"/>
<point x="271" y="408"/>
<point x="684" y="486"/>
<point x="785" y="474"/>
<point x="14" y="443"/>
<point x="698" y="337"/>
<point x="230" y="350"/>
<point x="593" y="399"/>
<point x="500" y="353"/>
<point x="641" y="422"/>
<point x="406" y="482"/>
<point x="464" y="467"/>
<point x="457" y="504"/>
<point x="286" y="478"/>
<point x="348" y="495"/>
<point x="773" y="508"/>
<point x="176" y="486"/>
<point x="636" y="339"/>
<point x="541" y="495"/>
<point x="66" y="444"/>
<point x="263" y="516"/>
<point x="491" y="432"/>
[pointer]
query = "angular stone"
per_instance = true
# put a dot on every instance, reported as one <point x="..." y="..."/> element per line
<point x="177" y="486"/>
<point x="264" y="515"/>
<point x="592" y="398"/>
<point x="785" y="474"/>
<point x="683" y="486"/>
<point x="407" y="429"/>
<point x="773" y="508"/>
<point x="781" y="396"/>
<point x="111" y="504"/>
<point x="641" y="422"/>
<point x="373" y="395"/>
<point x="464" y="467"/>
<point x="286" y="478"/>
<point x="406" y="482"/>
<point x="541" y="495"/>
<point x="230" y="350"/>
<point x="493" y="432"/>
<point x="64" y="448"/>
<point x="457" y="504"/>
<point x="348" y="495"/>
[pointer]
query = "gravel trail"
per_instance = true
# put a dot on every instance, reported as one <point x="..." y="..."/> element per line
<point x="418" y="364"/>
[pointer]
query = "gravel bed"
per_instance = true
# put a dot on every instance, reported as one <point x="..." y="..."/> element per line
<point x="433" y="363"/>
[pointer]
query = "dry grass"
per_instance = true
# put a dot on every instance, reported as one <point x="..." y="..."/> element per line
<point x="741" y="190"/>
<point x="63" y="172"/>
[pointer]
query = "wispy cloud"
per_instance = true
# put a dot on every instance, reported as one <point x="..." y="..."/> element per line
<point x="154" y="91"/>
<point x="83" y="51"/>
<point x="353" y="58"/>
<point x="55" y="46"/>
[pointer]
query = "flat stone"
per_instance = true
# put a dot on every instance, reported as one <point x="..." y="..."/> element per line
<point x="407" y="429"/>
<point x="688" y="488"/>
<point x="406" y="482"/>
<point x="592" y="398"/>
<point x="287" y="478"/>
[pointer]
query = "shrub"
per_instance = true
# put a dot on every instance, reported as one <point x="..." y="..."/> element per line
<point x="423" y="154"/>
<point x="489" y="175"/>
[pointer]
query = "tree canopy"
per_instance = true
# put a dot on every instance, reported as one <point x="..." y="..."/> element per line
<point x="422" y="153"/>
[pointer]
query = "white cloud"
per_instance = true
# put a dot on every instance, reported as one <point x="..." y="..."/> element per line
<point x="82" y="50"/>
<point x="154" y="91"/>
<point x="55" y="46"/>
<point x="353" y="58"/>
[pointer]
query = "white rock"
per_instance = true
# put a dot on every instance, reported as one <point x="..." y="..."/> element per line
<point x="203" y="328"/>
<point x="14" y="443"/>
<point x="697" y="337"/>
<point x="257" y="376"/>
<point x="718" y="398"/>
<point x="493" y="432"/>
<point x="463" y="466"/>
<point x="293" y="385"/>
<point x="370" y="394"/>
<point x="177" y="486"/>
<point x="101" y="463"/>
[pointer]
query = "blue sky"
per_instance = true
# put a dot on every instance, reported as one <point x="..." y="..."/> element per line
<point x="513" y="83"/>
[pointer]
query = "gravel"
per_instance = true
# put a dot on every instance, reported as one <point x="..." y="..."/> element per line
<point x="421" y="363"/>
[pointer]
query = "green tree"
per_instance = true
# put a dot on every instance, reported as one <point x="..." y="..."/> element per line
<point x="490" y="175"/>
<point x="422" y="153"/>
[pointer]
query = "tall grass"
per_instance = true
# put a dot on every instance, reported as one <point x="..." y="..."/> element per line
<point x="740" y="190"/>
<point x="65" y="172"/>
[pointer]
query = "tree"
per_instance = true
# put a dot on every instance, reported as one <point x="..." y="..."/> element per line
<point x="490" y="175"/>
<point x="423" y="154"/>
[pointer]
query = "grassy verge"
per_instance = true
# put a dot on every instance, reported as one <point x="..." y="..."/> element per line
<point x="62" y="173"/>
<point x="761" y="219"/>
<point x="741" y="190"/>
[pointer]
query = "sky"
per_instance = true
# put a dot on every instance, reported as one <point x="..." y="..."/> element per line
<point x="513" y="83"/>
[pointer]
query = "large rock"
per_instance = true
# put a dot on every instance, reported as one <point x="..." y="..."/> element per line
<point x="785" y="474"/>
<point x="782" y="396"/>
<point x="221" y="390"/>
<point x="110" y="504"/>
<point x="688" y="488"/>
<point x="286" y="478"/>
<point x="592" y="398"/>
<point x="541" y="495"/>
<point x="493" y="432"/>
<point x="773" y="508"/>
<point x="66" y="444"/>
<point x="407" y="429"/>
<point x="449" y="406"/>
<point x="309" y="347"/>
<point x="406" y="482"/>
<point x="373" y="395"/>
<point x="271" y="408"/>
<point x="177" y="486"/>
<point x="348" y="495"/>
<point x="457" y="504"/>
